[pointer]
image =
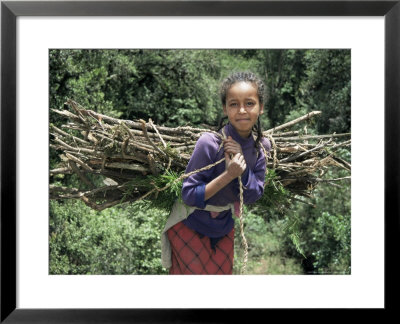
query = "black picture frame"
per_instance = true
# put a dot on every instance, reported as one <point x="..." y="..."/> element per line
<point x="10" y="10"/>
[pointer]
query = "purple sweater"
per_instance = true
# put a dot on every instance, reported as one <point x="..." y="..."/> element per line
<point x="193" y="189"/>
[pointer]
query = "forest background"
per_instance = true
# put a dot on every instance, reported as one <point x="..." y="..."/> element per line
<point x="180" y="87"/>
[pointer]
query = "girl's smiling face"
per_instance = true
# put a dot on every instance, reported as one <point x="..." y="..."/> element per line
<point x="243" y="107"/>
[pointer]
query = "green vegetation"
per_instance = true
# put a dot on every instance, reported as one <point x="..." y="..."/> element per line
<point x="180" y="87"/>
<point x="120" y="240"/>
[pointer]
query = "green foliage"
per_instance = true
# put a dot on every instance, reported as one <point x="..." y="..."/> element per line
<point x="181" y="86"/>
<point x="275" y="195"/>
<point x="82" y="76"/>
<point x="166" y="85"/>
<point x="285" y="70"/>
<point x="166" y="198"/>
<point x="306" y="80"/>
<point x="327" y="88"/>
<point x="324" y="232"/>
<point x="266" y="251"/>
<point x="167" y="189"/>
<point x="114" y="241"/>
<point x="292" y="228"/>
<point x="333" y="234"/>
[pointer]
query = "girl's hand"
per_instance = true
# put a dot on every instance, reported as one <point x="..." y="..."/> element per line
<point x="232" y="147"/>
<point x="235" y="166"/>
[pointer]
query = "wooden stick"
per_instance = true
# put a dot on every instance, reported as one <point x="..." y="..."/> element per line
<point x="75" y="159"/>
<point x="81" y="176"/>
<point x="134" y="167"/>
<point x="152" y="125"/>
<point x="307" y="137"/>
<point x="60" y="171"/>
<point x="293" y="122"/>
<point x="69" y="135"/>
<point x="337" y="179"/>
<point x="144" y="129"/>
<point x="76" y="149"/>
<point x="296" y="156"/>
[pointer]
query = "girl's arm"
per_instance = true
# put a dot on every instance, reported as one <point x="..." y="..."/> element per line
<point x="201" y="186"/>
<point x="204" y="153"/>
<point x="235" y="167"/>
<point x="254" y="182"/>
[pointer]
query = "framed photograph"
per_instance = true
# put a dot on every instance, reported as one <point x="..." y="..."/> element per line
<point x="30" y="29"/>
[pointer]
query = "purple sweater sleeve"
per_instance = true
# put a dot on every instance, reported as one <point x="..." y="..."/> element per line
<point x="253" y="179"/>
<point x="204" y="153"/>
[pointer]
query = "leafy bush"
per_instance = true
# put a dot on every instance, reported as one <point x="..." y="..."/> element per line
<point x="113" y="241"/>
<point x="266" y="251"/>
<point x="333" y="234"/>
<point x="324" y="232"/>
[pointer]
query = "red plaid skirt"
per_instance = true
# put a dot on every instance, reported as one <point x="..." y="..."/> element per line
<point x="192" y="254"/>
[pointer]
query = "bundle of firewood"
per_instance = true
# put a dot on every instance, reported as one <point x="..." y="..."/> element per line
<point x="117" y="160"/>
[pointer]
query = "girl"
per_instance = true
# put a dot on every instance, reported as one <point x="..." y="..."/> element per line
<point x="199" y="236"/>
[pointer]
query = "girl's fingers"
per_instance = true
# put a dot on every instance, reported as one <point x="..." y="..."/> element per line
<point x="232" y="142"/>
<point x="236" y="165"/>
<point x="230" y="145"/>
<point x="242" y="162"/>
<point x="239" y="158"/>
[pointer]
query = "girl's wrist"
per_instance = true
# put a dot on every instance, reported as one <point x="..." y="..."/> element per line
<point x="216" y="185"/>
<point x="228" y="176"/>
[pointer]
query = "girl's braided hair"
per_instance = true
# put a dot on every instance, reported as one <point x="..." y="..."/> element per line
<point x="244" y="77"/>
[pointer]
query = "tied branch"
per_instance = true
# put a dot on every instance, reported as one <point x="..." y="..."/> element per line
<point x="101" y="150"/>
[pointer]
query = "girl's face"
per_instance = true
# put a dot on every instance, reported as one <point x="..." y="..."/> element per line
<point x="243" y="107"/>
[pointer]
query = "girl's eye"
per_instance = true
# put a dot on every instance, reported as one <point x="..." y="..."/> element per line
<point x="250" y="103"/>
<point x="233" y="104"/>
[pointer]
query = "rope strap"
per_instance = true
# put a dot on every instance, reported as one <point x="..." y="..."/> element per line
<point x="244" y="241"/>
